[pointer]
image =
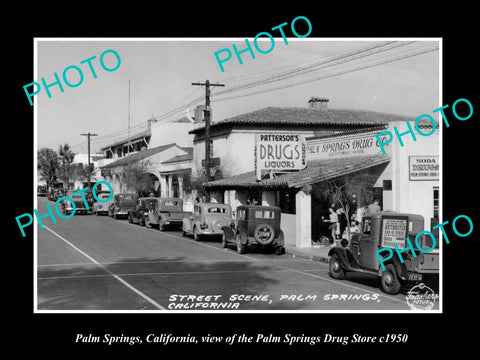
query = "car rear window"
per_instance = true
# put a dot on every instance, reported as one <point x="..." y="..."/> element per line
<point x="127" y="197"/>
<point x="264" y="214"/>
<point x="217" y="210"/>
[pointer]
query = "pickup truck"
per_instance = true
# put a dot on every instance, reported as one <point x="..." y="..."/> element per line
<point x="166" y="212"/>
<point x="387" y="229"/>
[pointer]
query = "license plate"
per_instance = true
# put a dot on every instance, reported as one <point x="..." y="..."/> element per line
<point x="414" y="277"/>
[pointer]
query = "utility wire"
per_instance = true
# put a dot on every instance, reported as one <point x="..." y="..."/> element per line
<point x="338" y="60"/>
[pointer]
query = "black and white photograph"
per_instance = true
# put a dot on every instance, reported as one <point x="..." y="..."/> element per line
<point x="271" y="188"/>
<point x="260" y="181"/>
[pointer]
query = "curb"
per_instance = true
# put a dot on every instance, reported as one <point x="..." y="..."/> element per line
<point x="306" y="254"/>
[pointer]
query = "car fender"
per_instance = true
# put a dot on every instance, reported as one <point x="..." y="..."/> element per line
<point x="341" y="252"/>
<point x="280" y="239"/>
<point x="187" y="225"/>
<point x="243" y="236"/>
<point x="400" y="268"/>
<point x="229" y="234"/>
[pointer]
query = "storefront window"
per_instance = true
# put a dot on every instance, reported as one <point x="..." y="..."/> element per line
<point x="286" y="201"/>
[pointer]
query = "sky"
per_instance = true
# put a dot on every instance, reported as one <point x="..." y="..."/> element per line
<point x="161" y="71"/>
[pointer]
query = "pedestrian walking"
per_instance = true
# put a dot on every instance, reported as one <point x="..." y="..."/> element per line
<point x="333" y="220"/>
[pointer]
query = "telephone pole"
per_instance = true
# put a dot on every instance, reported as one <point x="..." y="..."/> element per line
<point x="89" y="169"/>
<point x="207" y="130"/>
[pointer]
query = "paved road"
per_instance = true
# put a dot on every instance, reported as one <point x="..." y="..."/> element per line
<point x="93" y="262"/>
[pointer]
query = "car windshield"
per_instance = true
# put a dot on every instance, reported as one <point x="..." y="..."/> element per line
<point x="264" y="214"/>
<point x="217" y="210"/>
<point x="127" y="197"/>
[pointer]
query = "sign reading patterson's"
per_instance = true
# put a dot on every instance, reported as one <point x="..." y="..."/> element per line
<point x="279" y="152"/>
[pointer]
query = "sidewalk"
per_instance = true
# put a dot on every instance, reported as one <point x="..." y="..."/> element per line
<point x="315" y="253"/>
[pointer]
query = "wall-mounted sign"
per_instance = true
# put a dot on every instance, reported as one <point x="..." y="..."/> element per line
<point x="394" y="231"/>
<point x="339" y="146"/>
<point x="425" y="167"/>
<point x="279" y="153"/>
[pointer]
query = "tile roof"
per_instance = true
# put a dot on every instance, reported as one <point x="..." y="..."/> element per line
<point x="178" y="158"/>
<point x="316" y="171"/>
<point x="138" y="156"/>
<point x="303" y="116"/>
<point x="136" y="136"/>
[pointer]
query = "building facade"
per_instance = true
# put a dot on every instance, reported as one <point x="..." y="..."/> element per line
<point x="341" y="150"/>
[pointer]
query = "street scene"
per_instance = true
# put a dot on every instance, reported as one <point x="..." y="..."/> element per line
<point x="268" y="186"/>
<point x="77" y="270"/>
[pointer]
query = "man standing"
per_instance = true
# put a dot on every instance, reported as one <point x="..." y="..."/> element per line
<point x="374" y="207"/>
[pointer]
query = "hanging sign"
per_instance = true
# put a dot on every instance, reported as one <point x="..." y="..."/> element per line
<point x="279" y="153"/>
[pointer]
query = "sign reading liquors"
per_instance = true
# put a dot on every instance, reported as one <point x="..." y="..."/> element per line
<point x="279" y="152"/>
<point x="339" y="146"/>
<point x="424" y="167"/>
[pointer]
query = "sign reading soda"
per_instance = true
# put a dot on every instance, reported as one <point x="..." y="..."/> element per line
<point x="279" y="153"/>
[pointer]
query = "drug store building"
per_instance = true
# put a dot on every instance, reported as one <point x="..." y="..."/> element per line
<point x="340" y="147"/>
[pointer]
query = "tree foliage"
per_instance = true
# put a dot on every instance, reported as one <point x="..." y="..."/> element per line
<point x="48" y="163"/>
<point x="66" y="156"/>
<point x="136" y="177"/>
<point x="343" y="191"/>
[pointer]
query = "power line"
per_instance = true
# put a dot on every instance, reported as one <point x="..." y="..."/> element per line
<point x="333" y="75"/>
<point x="335" y="61"/>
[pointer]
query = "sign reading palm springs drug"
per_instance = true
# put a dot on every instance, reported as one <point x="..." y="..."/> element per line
<point x="343" y="146"/>
<point x="279" y="153"/>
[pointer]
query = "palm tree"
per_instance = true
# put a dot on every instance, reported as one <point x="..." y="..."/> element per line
<point x="48" y="164"/>
<point x="66" y="158"/>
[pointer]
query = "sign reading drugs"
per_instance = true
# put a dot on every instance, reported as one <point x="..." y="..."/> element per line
<point x="279" y="153"/>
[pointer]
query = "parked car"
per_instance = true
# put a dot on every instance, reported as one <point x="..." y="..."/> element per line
<point x="55" y="194"/>
<point x="208" y="219"/>
<point x="102" y="207"/>
<point x="140" y="213"/>
<point x="384" y="229"/>
<point x="80" y="207"/>
<point x="41" y="190"/>
<point x="255" y="225"/>
<point x="166" y="212"/>
<point x="121" y="204"/>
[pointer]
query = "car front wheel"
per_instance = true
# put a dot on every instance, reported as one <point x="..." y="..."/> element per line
<point x="335" y="268"/>
<point x="389" y="281"/>
<point x="240" y="245"/>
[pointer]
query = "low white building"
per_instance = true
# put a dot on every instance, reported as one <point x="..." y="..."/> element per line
<point x="340" y="144"/>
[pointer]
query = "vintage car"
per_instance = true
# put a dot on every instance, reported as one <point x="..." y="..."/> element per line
<point x="166" y="212"/>
<point x="121" y="204"/>
<point x="80" y="207"/>
<point x="102" y="207"/>
<point x="140" y="213"/>
<point x="55" y="194"/>
<point x="41" y="190"/>
<point x="383" y="230"/>
<point x="255" y="225"/>
<point x="208" y="219"/>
